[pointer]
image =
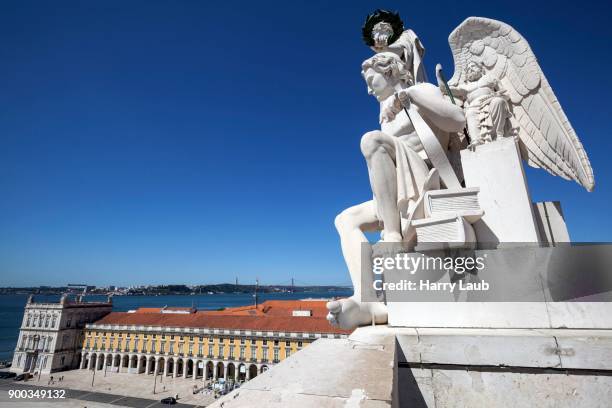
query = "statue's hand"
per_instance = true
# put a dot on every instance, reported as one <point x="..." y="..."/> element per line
<point x="403" y="97"/>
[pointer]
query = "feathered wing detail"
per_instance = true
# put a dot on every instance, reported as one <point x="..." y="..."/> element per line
<point x="547" y="139"/>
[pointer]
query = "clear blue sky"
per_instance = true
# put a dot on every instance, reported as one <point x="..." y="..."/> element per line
<point x="195" y="141"/>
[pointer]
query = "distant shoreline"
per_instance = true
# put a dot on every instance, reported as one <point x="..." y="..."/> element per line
<point x="170" y="290"/>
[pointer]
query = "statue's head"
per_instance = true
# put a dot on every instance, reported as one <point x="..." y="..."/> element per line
<point x="383" y="72"/>
<point x="381" y="33"/>
<point x="382" y="28"/>
<point x="474" y="71"/>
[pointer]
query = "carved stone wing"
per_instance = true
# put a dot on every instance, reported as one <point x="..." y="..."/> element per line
<point x="547" y="139"/>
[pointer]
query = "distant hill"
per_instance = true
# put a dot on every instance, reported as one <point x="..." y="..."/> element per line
<point x="176" y="289"/>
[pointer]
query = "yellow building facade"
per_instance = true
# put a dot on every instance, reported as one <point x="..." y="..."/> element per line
<point x="201" y="345"/>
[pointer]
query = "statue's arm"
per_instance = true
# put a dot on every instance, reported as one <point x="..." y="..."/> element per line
<point x="458" y="92"/>
<point x="430" y="101"/>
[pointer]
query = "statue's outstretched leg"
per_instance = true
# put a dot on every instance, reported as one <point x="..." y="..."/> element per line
<point x="378" y="149"/>
<point x="351" y="224"/>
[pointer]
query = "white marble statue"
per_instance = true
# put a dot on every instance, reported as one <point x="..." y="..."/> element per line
<point x="399" y="174"/>
<point x="504" y="93"/>
<point x="486" y="105"/>
<point x="547" y="139"/>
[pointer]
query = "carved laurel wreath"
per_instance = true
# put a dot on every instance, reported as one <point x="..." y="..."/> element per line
<point x="378" y="16"/>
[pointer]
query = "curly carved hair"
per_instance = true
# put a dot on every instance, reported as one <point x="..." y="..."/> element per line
<point x="390" y="65"/>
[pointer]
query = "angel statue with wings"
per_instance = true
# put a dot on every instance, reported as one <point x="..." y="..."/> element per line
<point x="504" y="93"/>
<point x="546" y="137"/>
<point x="486" y="107"/>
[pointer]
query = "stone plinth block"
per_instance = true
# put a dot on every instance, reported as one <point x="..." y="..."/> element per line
<point x="496" y="168"/>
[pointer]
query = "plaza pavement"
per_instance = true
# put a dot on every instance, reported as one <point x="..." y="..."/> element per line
<point x="116" y="389"/>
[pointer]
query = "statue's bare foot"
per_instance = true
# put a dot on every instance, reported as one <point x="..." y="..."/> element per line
<point x="349" y="313"/>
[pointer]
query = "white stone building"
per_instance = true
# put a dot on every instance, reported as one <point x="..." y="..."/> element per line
<point x="50" y="338"/>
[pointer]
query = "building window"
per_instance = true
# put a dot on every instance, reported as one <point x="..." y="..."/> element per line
<point x="200" y="349"/>
<point x="253" y="353"/>
<point x="19" y="360"/>
<point x="191" y="349"/>
<point x="265" y="354"/>
<point x="104" y="344"/>
<point x="47" y="321"/>
<point x="276" y="355"/>
<point x="231" y="351"/>
<point x="242" y="352"/>
<point x="265" y="342"/>
<point x="210" y="350"/>
<point x="69" y="322"/>
<point x="287" y="352"/>
<point x="276" y="342"/>
<point x="171" y="348"/>
<point x="211" y="340"/>
<point x="242" y="340"/>
<point x="53" y="321"/>
<point x="161" y="348"/>
<point x="299" y="344"/>
<point x="29" y="320"/>
<point x="287" y="344"/>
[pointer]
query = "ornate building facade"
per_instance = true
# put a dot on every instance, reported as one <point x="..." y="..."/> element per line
<point x="234" y="343"/>
<point x="51" y="334"/>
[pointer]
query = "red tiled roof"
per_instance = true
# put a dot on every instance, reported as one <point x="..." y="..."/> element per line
<point x="272" y="315"/>
<point x="160" y="309"/>
<point x="275" y="308"/>
<point x="237" y="322"/>
<point x="148" y="310"/>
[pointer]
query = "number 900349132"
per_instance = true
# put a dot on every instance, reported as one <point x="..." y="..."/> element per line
<point x="37" y="394"/>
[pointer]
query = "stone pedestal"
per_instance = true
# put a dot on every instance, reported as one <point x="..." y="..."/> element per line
<point x="504" y="367"/>
<point x="551" y="224"/>
<point x="530" y="287"/>
<point x="497" y="169"/>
